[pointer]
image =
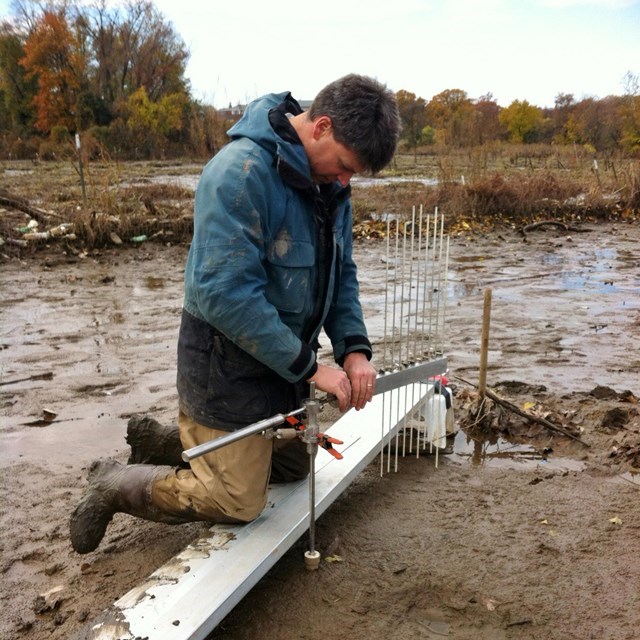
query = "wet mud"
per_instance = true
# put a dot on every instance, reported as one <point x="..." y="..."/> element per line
<point x="516" y="533"/>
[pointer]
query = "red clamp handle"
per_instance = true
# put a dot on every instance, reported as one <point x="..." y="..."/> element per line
<point x="295" y="423"/>
<point x="324" y="441"/>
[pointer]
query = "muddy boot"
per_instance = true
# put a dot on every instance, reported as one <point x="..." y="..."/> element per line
<point x="113" y="488"/>
<point x="153" y="443"/>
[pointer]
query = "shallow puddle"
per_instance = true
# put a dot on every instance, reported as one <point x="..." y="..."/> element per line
<point x="506" y="455"/>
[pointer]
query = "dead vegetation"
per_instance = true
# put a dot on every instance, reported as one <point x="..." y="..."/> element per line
<point x="536" y="416"/>
<point x="129" y="203"/>
<point x="53" y="204"/>
<point x="497" y="185"/>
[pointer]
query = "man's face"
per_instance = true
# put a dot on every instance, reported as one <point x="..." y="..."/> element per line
<point x="330" y="161"/>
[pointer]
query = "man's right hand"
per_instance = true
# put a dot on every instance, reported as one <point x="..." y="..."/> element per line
<point x="334" y="381"/>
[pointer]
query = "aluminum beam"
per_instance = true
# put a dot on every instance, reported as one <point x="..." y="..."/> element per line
<point x="186" y="598"/>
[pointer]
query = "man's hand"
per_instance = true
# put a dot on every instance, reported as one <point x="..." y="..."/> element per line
<point x="334" y="381"/>
<point x="362" y="376"/>
<point x="352" y="387"/>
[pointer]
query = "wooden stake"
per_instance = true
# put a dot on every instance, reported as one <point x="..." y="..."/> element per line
<point x="484" y="344"/>
<point x="79" y="150"/>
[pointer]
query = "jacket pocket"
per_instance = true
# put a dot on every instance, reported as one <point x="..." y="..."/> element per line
<point x="289" y="275"/>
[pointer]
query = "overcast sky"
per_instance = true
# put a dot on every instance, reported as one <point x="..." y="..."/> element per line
<point x="515" y="49"/>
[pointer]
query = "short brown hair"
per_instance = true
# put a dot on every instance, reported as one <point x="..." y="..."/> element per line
<point x="365" y="118"/>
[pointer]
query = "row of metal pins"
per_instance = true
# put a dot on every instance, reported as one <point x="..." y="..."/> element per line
<point x="425" y="304"/>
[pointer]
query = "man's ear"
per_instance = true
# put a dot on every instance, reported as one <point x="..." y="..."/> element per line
<point x="321" y="126"/>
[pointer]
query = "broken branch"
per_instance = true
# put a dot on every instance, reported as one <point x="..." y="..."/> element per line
<point x="523" y="414"/>
<point x="7" y="200"/>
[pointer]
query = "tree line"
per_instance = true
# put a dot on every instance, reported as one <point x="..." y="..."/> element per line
<point x="453" y="119"/>
<point x="116" y="75"/>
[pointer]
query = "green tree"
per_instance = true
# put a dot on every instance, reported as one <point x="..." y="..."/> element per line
<point x="428" y="135"/>
<point x="412" y="113"/>
<point x="16" y="91"/>
<point x="150" y="123"/>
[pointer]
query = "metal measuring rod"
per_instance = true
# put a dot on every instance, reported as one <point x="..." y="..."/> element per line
<point x="310" y="437"/>
<point x="234" y="436"/>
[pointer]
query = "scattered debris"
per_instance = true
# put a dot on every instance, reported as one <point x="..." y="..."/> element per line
<point x="485" y="416"/>
<point x="49" y="600"/>
<point x="49" y="415"/>
<point x="334" y="558"/>
<point x="629" y="453"/>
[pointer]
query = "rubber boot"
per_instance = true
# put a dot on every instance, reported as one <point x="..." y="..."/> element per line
<point x="153" y="443"/>
<point x="289" y="462"/>
<point x="114" y="488"/>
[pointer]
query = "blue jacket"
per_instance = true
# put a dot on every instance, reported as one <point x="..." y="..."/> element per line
<point x="270" y="264"/>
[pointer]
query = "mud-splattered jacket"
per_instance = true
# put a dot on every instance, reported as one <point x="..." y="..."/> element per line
<point x="270" y="265"/>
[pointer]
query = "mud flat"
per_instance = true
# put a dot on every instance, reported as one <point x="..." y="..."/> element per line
<point x="540" y="541"/>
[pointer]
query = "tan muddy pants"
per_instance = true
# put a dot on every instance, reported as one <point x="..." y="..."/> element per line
<point x="229" y="484"/>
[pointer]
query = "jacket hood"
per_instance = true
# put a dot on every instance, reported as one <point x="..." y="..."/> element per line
<point x="265" y="123"/>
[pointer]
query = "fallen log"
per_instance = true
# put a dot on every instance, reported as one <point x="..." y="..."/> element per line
<point x="549" y="223"/>
<point x="16" y="243"/>
<point x="15" y="202"/>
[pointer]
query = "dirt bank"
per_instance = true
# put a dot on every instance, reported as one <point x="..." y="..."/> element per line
<point x="537" y="541"/>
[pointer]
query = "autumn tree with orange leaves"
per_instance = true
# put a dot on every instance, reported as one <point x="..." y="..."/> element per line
<point x="452" y="115"/>
<point x="56" y="58"/>
<point x="78" y="68"/>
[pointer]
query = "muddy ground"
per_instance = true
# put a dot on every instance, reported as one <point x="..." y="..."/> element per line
<point x="517" y="534"/>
